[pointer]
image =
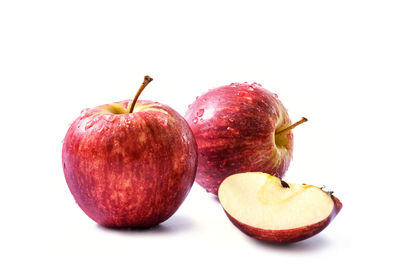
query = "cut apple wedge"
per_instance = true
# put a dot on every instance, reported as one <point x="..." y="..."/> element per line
<point x="264" y="207"/>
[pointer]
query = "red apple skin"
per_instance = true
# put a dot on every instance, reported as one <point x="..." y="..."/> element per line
<point x="130" y="170"/>
<point x="289" y="235"/>
<point x="234" y="126"/>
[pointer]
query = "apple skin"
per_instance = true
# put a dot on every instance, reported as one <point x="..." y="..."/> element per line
<point x="288" y="235"/>
<point x="130" y="170"/>
<point x="235" y="126"/>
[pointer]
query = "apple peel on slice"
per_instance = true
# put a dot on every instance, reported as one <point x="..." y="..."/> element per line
<point x="266" y="208"/>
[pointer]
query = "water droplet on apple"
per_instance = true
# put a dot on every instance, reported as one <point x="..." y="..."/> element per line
<point x="275" y="95"/>
<point x="101" y="130"/>
<point x="254" y="86"/>
<point x="239" y="93"/>
<point x="234" y="85"/>
<point x="127" y="120"/>
<point x="89" y="124"/>
<point x="195" y="120"/>
<point x="232" y="130"/>
<point x="165" y="122"/>
<point x="108" y="118"/>
<point x="200" y="112"/>
<point x="230" y="119"/>
<point x="197" y="97"/>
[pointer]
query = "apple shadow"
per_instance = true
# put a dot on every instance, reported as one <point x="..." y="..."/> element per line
<point x="215" y="199"/>
<point x="312" y="244"/>
<point x="174" y="224"/>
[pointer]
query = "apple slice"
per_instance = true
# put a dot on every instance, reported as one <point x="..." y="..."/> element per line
<point x="264" y="207"/>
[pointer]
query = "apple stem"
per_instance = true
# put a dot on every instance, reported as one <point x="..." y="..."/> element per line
<point x="146" y="81"/>
<point x="287" y="129"/>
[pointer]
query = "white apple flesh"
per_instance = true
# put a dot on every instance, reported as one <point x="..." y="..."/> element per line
<point x="269" y="209"/>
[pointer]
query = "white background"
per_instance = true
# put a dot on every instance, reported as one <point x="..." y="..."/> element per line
<point x="335" y="62"/>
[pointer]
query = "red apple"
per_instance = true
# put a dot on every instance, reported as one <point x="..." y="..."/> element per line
<point x="264" y="207"/>
<point x="129" y="164"/>
<point x="240" y="128"/>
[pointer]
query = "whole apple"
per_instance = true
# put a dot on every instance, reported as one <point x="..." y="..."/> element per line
<point x="239" y="128"/>
<point x="129" y="164"/>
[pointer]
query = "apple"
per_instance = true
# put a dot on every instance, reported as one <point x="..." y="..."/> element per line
<point x="129" y="164"/>
<point x="239" y="128"/>
<point x="266" y="208"/>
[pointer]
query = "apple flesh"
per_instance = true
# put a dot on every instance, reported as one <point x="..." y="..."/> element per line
<point x="266" y="208"/>
<point x="129" y="169"/>
<point x="236" y="128"/>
